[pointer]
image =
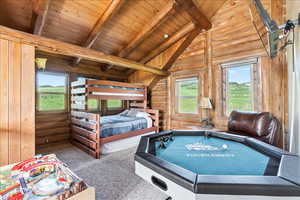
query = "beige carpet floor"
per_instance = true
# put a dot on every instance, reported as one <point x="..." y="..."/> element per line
<point x="112" y="176"/>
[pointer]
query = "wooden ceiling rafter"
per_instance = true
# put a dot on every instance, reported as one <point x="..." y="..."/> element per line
<point x="62" y="48"/>
<point x="62" y="65"/>
<point x="111" y="11"/>
<point x="198" y="18"/>
<point x="187" y="41"/>
<point x="147" y="30"/>
<point x="169" y="42"/>
<point x="39" y="15"/>
<point x="165" y="45"/>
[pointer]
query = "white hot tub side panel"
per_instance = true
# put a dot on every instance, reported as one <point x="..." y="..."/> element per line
<point x="178" y="192"/>
<point x="174" y="190"/>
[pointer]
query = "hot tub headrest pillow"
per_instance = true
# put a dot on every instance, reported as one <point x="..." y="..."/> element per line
<point x="251" y="123"/>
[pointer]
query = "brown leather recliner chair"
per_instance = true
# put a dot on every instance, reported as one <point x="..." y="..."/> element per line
<point x="260" y="125"/>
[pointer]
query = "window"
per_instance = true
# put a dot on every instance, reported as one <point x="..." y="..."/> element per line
<point x="51" y="91"/>
<point x="93" y="104"/>
<point x="114" y="103"/>
<point x="240" y="83"/>
<point x="186" y="95"/>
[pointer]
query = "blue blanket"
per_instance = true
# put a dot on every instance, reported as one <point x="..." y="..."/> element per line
<point x="118" y="124"/>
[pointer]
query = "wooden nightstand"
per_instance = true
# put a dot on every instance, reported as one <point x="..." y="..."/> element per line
<point x="205" y="129"/>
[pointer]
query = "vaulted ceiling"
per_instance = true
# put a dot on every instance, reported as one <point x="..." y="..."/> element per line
<point x="132" y="29"/>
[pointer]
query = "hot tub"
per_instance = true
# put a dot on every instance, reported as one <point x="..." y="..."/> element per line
<point x="206" y="164"/>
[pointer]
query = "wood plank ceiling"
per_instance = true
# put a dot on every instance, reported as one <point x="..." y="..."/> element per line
<point x="132" y="29"/>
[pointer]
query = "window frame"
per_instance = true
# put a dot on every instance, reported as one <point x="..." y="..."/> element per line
<point x="178" y="98"/>
<point x="200" y="74"/>
<point x="66" y="93"/>
<point x="255" y="82"/>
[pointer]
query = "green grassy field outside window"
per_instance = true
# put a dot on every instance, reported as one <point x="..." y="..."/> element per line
<point x="48" y="102"/>
<point x="92" y="104"/>
<point x="187" y="96"/>
<point x="51" y="89"/>
<point x="239" y="89"/>
<point x="114" y="103"/>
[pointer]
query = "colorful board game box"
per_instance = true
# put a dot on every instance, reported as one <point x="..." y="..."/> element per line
<point x="41" y="177"/>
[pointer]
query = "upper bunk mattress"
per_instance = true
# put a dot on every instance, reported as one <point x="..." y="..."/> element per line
<point x="117" y="94"/>
<point x="117" y="124"/>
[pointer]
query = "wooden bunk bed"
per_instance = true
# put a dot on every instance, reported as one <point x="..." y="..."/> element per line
<point x="86" y="127"/>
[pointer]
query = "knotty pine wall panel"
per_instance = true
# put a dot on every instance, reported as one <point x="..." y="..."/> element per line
<point x="232" y="38"/>
<point x="236" y="38"/>
<point x="159" y="101"/>
<point x="17" y="102"/>
<point x="192" y="59"/>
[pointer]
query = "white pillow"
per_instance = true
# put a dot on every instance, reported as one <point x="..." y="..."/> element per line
<point x="147" y="117"/>
<point x="132" y="113"/>
<point x="142" y="114"/>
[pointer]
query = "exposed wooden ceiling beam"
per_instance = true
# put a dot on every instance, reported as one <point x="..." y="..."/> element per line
<point x="147" y="30"/>
<point x="173" y="39"/>
<point x="187" y="41"/>
<point x="197" y="16"/>
<point x="60" y="65"/>
<point x="62" y="48"/>
<point x="165" y="45"/>
<point x="111" y="10"/>
<point x="39" y="15"/>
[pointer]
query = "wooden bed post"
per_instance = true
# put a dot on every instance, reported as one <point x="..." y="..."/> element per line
<point x="98" y="145"/>
<point x="156" y="121"/>
<point x="145" y="99"/>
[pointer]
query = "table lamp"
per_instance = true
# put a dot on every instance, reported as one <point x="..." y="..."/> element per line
<point x="205" y="103"/>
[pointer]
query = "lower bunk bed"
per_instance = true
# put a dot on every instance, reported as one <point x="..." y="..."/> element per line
<point x="90" y="131"/>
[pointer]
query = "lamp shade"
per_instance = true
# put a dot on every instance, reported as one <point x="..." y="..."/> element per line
<point x="205" y="103"/>
<point x="41" y="63"/>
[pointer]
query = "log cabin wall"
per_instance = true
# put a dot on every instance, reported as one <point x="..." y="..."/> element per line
<point x="52" y="127"/>
<point x="159" y="94"/>
<point x="233" y="37"/>
<point x="191" y="63"/>
<point x="17" y="102"/>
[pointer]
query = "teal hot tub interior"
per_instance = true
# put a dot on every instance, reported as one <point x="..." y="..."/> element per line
<point x="209" y="155"/>
<point x="208" y="162"/>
